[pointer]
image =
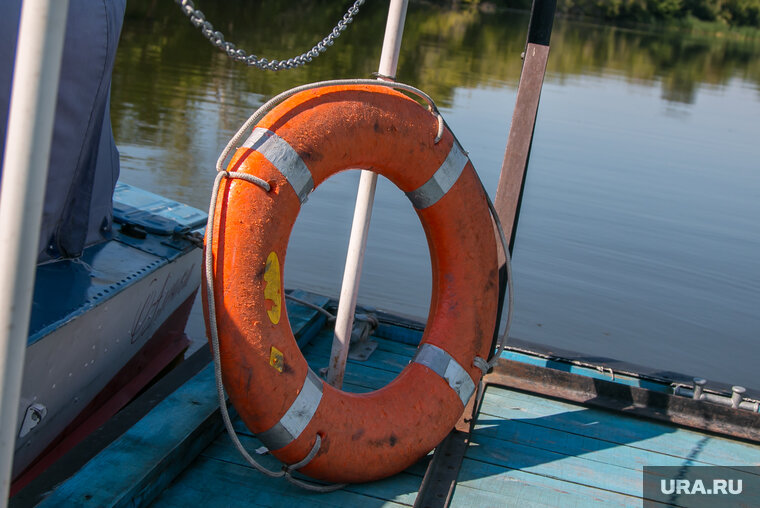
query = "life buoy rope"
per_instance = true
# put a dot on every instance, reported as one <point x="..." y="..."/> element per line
<point x="293" y="149"/>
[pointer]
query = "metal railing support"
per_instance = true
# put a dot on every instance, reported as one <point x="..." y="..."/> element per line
<point x="27" y="150"/>
<point x="365" y="197"/>
<point x="509" y="190"/>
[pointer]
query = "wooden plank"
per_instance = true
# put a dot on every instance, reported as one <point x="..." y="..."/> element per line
<point x="212" y="483"/>
<point x="401" y="488"/>
<point x="120" y="423"/>
<point x="567" y="443"/>
<point x="520" y="488"/>
<point x="395" y="347"/>
<point x="380" y="358"/>
<point x="362" y="378"/>
<point x="623" y="430"/>
<point x="408" y="335"/>
<point x="555" y="465"/>
<point x="137" y="466"/>
<point x="321" y="342"/>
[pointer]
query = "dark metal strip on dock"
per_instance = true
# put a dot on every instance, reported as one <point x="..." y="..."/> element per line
<point x="697" y="414"/>
<point x="440" y="478"/>
<point x="442" y="472"/>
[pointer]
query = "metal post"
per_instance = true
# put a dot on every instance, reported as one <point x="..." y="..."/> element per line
<point x="699" y="386"/>
<point x="509" y="190"/>
<point x="27" y="149"/>
<point x="512" y="177"/>
<point x="737" y="396"/>
<point x="365" y="197"/>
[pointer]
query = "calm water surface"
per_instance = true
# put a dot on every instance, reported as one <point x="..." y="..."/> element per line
<point x="639" y="233"/>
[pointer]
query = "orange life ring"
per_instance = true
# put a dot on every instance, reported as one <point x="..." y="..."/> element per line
<point x="307" y="138"/>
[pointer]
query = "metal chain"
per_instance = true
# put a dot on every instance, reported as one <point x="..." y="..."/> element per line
<point x="217" y="39"/>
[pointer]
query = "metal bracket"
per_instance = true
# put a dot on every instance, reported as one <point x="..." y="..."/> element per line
<point x="361" y="347"/>
<point x="33" y="417"/>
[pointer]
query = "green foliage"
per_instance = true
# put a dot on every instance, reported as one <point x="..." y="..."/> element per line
<point x="708" y="10"/>
<point x="444" y="49"/>
<point x="742" y="12"/>
<point x="665" y="9"/>
<point x="732" y="12"/>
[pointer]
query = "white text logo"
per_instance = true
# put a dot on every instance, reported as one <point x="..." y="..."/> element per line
<point x="718" y="486"/>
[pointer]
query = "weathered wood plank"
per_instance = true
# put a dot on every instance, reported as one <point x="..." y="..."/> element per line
<point x="567" y="443"/>
<point x="556" y="465"/>
<point x="383" y="344"/>
<point x="361" y="377"/>
<point x="520" y="488"/>
<point x="134" y="468"/>
<point x="401" y="488"/>
<point x="212" y="483"/>
<point x="409" y="335"/>
<point x="391" y="345"/>
<point x="619" y="429"/>
<point x="382" y="358"/>
<point x="72" y="462"/>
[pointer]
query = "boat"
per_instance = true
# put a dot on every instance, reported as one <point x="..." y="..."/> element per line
<point x="104" y="325"/>
<point x="113" y="288"/>
<point x="546" y="429"/>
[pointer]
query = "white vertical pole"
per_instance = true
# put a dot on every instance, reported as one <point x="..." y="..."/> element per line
<point x="365" y="197"/>
<point x="25" y="166"/>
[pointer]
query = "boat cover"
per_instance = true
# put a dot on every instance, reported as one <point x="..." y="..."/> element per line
<point x="84" y="162"/>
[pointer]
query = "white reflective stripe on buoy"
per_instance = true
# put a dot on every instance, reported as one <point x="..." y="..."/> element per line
<point x="282" y="156"/>
<point x="297" y="417"/>
<point x="443" y="364"/>
<point x="442" y="180"/>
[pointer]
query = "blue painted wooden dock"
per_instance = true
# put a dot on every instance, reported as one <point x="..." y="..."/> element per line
<point x="525" y="450"/>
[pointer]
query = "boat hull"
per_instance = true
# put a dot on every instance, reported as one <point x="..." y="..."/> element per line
<point x="70" y="366"/>
<point x="105" y="324"/>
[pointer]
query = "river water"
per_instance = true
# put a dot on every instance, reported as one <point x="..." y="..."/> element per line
<point x="639" y="233"/>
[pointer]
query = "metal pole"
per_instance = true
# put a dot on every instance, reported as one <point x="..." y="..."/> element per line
<point x="509" y="190"/>
<point x="27" y="149"/>
<point x="365" y="197"/>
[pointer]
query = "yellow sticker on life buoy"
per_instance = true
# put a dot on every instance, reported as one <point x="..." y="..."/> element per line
<point x="276" y="359"/>
<point x="272" y="288"/>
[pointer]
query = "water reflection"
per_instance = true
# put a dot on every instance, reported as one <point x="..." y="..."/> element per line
<point x="638" y="233"/>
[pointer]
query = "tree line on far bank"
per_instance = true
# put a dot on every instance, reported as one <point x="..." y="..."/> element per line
<point x="732" y="12"/>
